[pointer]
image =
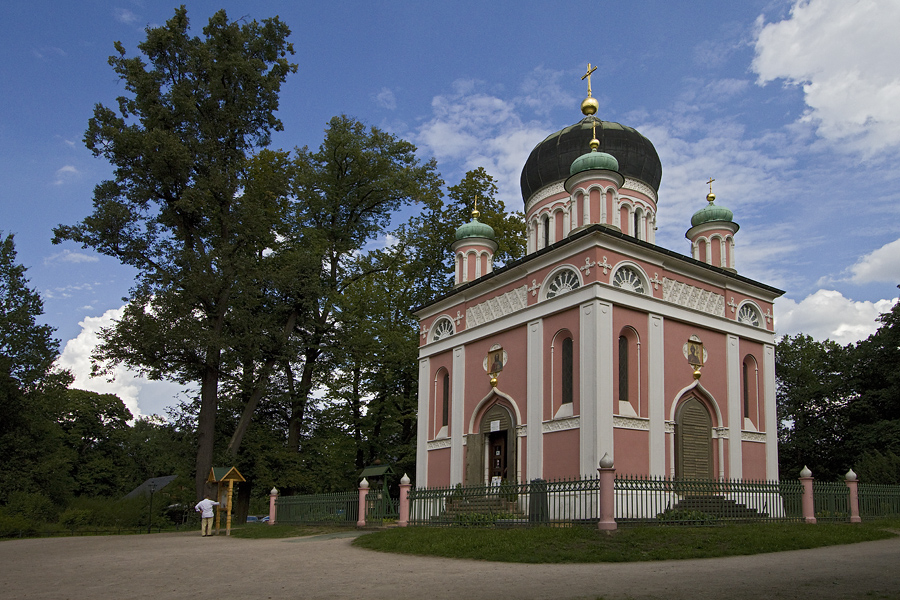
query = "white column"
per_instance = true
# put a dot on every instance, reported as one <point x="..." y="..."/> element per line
<point x="457" y="412"/>
<point x="534" y="391"/>
<point x="586" y="212"/>
<point x="477" y="265"/>
<point x="422" y="425"/>
<point x="771" y="421"/>
<point x="656" y="398"/>
<point x="551" y="218"/>
<point x="567" y="221"/>
<point x="596" y="384"/>
<point x="735" y="416"/>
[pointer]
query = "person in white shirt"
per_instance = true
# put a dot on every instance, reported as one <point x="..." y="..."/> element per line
<point x="205" y="508"/>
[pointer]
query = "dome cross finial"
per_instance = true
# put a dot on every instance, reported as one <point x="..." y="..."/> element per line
<point x="590" y="104"/>
<point x="475" y="213"/>
<point x="588" y="77"/>
<point x="710" y="196"/>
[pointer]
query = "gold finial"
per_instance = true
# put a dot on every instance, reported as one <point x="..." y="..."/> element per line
<point x="588" y="77"/>
<point x="590" y="104"/>
<point x="710" y="196"/>
<point x="475" y="213"/>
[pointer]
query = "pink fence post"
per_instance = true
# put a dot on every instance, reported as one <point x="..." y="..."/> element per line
<point x="404" y="501"/>
<point x="809" y="502"/>
<point x="852" y="483"/>
<point x="607" y="495"/>
<point x="363" y="492"/>
<point x="273" y="495"/>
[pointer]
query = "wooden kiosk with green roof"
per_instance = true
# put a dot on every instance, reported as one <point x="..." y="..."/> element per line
<point x="224" y="494"/>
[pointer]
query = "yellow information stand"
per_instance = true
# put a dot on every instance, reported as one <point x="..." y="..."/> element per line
<point x="224" y="494"/>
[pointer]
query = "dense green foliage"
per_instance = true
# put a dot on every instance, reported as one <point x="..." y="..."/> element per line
<point x="839" y="406"/>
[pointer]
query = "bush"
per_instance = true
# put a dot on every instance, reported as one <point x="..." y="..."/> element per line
<point x="15" y="525"/>
<point x="33" y="507"/>
<point x="75" y="518"/>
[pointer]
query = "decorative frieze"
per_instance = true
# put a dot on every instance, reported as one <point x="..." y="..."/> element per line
<point x="561" y="424"/>
<point x="692" y="297"/>
<point x="753" y="436"/>
<point x="497" y="307"/>
<point x="438" y="444"/>
<point x="670" y="426"/>
<point x="633" y="184"/>
<point x="621" y="422"/>
<point x="521" y="430"/>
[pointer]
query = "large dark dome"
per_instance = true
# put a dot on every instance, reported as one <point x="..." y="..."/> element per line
<point x="550" y="160"/>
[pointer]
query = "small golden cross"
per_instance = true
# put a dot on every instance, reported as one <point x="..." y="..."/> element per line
<point x="710" y="184"/>
<point x="588" y="77"/>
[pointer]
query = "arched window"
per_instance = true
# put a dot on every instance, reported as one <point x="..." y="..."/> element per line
<point x="637" y="223"/>
<point x="748" y="315"/>
<point x="546" y="224"/>
<point x="568" y="370"/>
<point x="564" y="281"/>
<point x="628" y="375"/>
<point x="750" y="393"/>
<point x="442" y="328"/>
<point x="628" y="278"/>
<point x="445" y="401"/>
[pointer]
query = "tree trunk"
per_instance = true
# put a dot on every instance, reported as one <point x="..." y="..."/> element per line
<point x="298" y="401"/>
<point x="206" y="422"/>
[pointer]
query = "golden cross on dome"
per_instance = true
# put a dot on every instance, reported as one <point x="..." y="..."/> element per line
<point x="475" y="213"/>
<point x="588" y="77"/>
<point x="709" y="183"/>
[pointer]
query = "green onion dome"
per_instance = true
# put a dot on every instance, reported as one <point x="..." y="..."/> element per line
<point x="711" y="212"/>
<point x="594" y="160"/>
<point x="475" y="229"/>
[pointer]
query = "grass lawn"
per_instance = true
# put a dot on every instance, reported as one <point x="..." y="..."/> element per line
<point x="587" y="545"/>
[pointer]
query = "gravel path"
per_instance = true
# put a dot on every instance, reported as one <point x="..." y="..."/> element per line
<point x="182" y="565"/>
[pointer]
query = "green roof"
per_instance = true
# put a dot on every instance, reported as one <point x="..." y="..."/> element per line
<point x="594" y="160"/>
<point x="475" y="228"/>
<point x="711" y="213"/>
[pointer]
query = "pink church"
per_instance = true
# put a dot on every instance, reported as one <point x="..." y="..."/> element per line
<point x="598" y="341"/>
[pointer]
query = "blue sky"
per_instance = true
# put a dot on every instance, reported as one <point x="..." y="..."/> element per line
<point x="790" y="106"/>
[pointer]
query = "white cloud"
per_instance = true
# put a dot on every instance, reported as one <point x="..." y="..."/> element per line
<point x="386" y="99"/>
<point x="844" y="55"/>
<point x="827" y="314"/>
<point x="70" y="256"/>
<point x="471" y="128"/>
<point x="49" y="52"/>
<point x="141" y="396"/>
<point x="123" y="15"/>
<point x="881" y="265"/>
<point x="64" y="174"/>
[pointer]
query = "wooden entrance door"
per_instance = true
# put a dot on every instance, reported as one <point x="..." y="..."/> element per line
<point x="497" y="454"/>
<point x="693" y="441"/>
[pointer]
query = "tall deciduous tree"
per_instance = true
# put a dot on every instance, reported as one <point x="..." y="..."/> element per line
<point x="345" y="193"/>
<point x="34" y="457"/>
<point x="179" y="209"/>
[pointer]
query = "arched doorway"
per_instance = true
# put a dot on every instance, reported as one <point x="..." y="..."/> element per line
<point x="491" y="452"/>
<point x="693" y="441"/>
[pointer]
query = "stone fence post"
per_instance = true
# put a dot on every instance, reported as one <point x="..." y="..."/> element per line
<point x="853" y="484"/>
<point x="607" y="472"/>
<point x="404" y="501"/>
<point x="808" y="502"/>
<point x="363" y="492"/>
<point x="273" y="495"/>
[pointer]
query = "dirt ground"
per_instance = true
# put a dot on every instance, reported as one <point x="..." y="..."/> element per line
<point x="182" y="565"/>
